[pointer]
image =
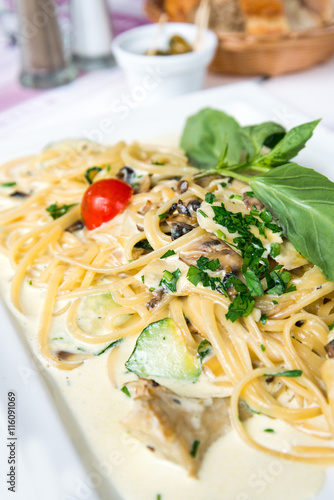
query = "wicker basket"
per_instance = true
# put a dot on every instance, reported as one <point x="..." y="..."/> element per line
<point x="243" y="54"/>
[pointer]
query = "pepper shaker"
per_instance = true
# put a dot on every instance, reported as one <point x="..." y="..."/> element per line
<point x="44" y="63"/>
<point x="91" y="34"/>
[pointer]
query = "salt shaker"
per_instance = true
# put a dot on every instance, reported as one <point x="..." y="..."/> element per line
<point x="91" y="34"/>
<point x="44" y="61"/>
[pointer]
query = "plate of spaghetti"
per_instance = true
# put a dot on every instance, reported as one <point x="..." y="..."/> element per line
<point x="180" y="298"/>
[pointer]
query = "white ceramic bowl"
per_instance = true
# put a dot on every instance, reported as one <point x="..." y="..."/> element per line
<point x="153" y="78"/>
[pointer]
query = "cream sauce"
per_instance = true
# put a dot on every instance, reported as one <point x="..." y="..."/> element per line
<point x="231" y="470"/>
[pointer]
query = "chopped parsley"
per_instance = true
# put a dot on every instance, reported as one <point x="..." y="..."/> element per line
<point x="275" y="302"/>
<point x="8" y="184"/>
<point x="91" y="173"/>
<point x="262" y="347"/>
<point x="194" y="448"/>
<point x="163" y="215"/>
<point x="210" y="198"/>
<point x="113" y="344"/>
<point x="159" y="496"/>
<point x="126" y="391"/>
<point x="151" y="289"/>
<point x="202" y="213"/>
<point x="254" y="212"/>
<point x="253" y="283"/>
<point x="158" y="163"/>
<point x="269" y="430"/>
<point x="30" y="282"/>
<point x="277" y="282"/>
<point x="275" y="250"/>
<point x="288" y="373"/>
<point x="169" y="280"/>
<point x="143" y="244"/>
<point x="169" y="253"/>
<point x="266" y="216"/>
<point x="263" y="319"/>
<point x="204" y="263"/>
<point x="143" y="278"/>
<point x="330" y="327"/>
<point x="204" y="349"/>
<point x="57" y="211"/>
<point x="196" y="275"/>
<point x="221" y="235"/>
<point x="242" y="305"/>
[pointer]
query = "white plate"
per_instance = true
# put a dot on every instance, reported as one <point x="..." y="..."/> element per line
<point x="49" y="467"/>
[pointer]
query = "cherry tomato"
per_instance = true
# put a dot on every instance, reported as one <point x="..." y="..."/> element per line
<point x="103" y="200"/>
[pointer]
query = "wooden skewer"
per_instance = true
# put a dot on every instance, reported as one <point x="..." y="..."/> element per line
<point x="154" y="47"/>
<point x="202" y="22"/>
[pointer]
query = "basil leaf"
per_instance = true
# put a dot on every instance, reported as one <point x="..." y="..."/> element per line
<point x="253" y="283"/>
<point x="265" y="134"/>
<point x="293" y="142"/>
<point x="303" y="202"/>
<point x="208" y="135"/>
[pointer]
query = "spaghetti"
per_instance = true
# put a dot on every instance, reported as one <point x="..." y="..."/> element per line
<point x="273" y="358"/>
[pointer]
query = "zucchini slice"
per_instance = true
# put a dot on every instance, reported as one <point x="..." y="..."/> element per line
<point x="160" y="351"/>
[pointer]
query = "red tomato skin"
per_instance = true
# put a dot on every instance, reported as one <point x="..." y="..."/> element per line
<point x="103" y="200"/>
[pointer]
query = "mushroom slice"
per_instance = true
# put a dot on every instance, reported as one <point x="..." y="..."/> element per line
<point x="252" y="202"/>
<point x="213" y="248"/>
<point x="70" y="357"/>
<point x="180" y="225"/>
<point x="179" y="429"/>
<point x="329" y="348"/>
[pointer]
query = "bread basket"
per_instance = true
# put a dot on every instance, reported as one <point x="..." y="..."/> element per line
<point x="244" y="54"/>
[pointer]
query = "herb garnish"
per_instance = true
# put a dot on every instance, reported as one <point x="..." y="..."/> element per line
<point x="126" y="391"/>
<point x="210" y="198"/>
<point x="202" y="213"/>
<point x="169" y="253"/>
<point x="113" y="344"/>
<point x="169" y="280"/>
<point x="194" y="448"/>
<point x="330" y="327"/>
<point x="91" y="173"/>
<point x="204" y="349"/>
<point x="8" y="184"/>
<point x="263" y="319"/>
<point x="269" y="430"/>
<point x="57" y="211"/>
<point x="143" y="244"/>
<point x="214" y="140"/>
<point x="288" y="373"/>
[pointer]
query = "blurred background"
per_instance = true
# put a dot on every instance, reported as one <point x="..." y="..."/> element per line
<point x="291" y="56"/>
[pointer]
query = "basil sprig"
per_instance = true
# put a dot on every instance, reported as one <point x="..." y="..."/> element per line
<point x="303" y="202"/>
<point x="301" y="199"/>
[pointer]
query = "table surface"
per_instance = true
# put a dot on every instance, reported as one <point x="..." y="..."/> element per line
<point x="93" y="94"/>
